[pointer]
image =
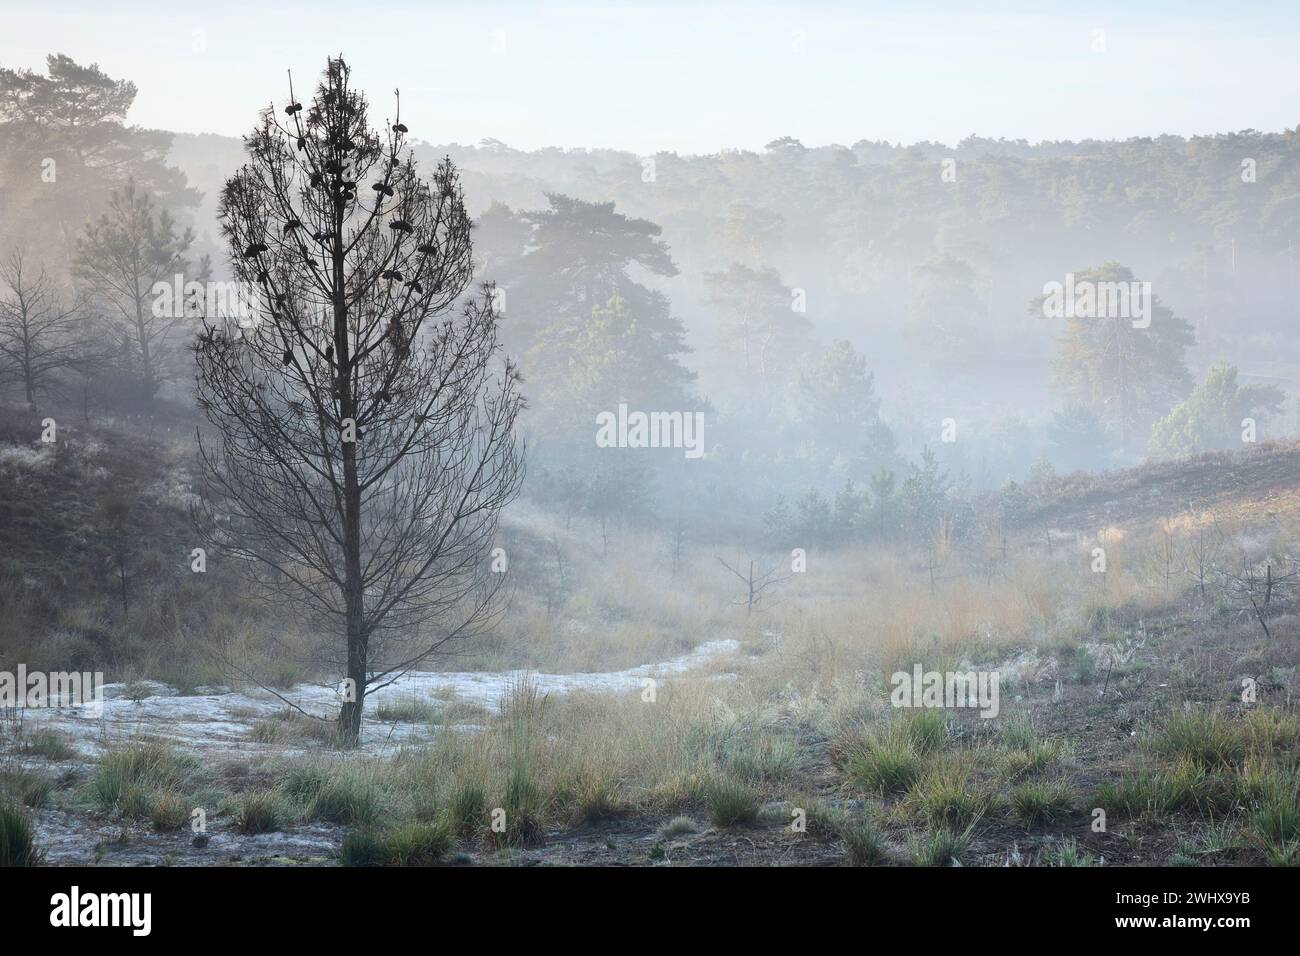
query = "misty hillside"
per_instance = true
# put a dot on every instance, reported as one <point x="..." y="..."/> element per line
<point x="889" y="240"/>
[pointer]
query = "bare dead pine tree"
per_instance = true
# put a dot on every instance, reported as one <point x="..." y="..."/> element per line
<point x="40" y="335"/>
<point x="364" y="422"/>
<point x="757" y="584"/>
<point x="1202" y="554"/>
<point x="1257" y="585"/>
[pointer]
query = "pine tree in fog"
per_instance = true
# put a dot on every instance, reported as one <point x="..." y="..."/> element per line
<point x="121" y="257"/>
<point x="364" y="424"/>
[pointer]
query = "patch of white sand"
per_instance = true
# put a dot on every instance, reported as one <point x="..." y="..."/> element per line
<point x="217" y="720"/>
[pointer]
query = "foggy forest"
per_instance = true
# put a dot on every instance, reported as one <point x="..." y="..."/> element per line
<point x="661" y="489"/>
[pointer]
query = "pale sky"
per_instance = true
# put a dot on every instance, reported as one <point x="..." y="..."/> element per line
<point x="699" y="77"/>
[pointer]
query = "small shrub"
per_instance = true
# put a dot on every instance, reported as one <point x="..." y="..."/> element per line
<point x="1083" y="666"/>
<point x="290" y="727"/>
<point x="272" y="732"/>
<point x="1041" y="755"/>
<point x="136" y="802"/>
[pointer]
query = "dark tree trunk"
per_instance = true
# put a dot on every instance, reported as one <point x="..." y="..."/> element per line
<point x="354" y="587"/>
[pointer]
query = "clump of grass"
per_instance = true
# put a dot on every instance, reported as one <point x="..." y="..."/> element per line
<point x="678" y="826"/>
<point x="405" y="710"/>
<point x="271" y="731"/>
<point x="942" y="847"/>
<point x="468" y="809"/>
<point x="731" y="802"/>
<point x="890" y="759"/>
<point x="128" y="776"/>
<point x="1019" y="731"/>
<point x="17" y="841"/>
<point x="821" y="819"/>
<point x="926" y="729"/>
<point x="1219" y="838"/>
<point x="1041" y="755"/>
<point x="350" y="797"/>
<point x="523" y="709"/>
<point x="887" y="764"/>
<point x="1144" y="793"/>
<point x="419" y="844"/>
<point x="303" y="783"/>
<point x="1275" y="825"/>
<point x="1207" y="737"/>
<point x="136" y="802"/>
<point x="168" y="812"/>
<point x="947" y="797"/>
<point x="1039" y="804"/>
<point x="1184" y="786"/>
<point x="414" y="844"/>
<point x="258" y="811"/>
<point x="462" y="712"/>
<point x="524" y="806"/>
<point x="761" y="757"/>
<point x="1066" y="853"/>
<point x="363" y="848"/>
<point x="862" y="841"/>
<point x="49" y="744"/>
<point x="27" y="787"/>
<point x="290" y="727"/>
<point x="595" y="796"/>
<point x="1269" y="730"/>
